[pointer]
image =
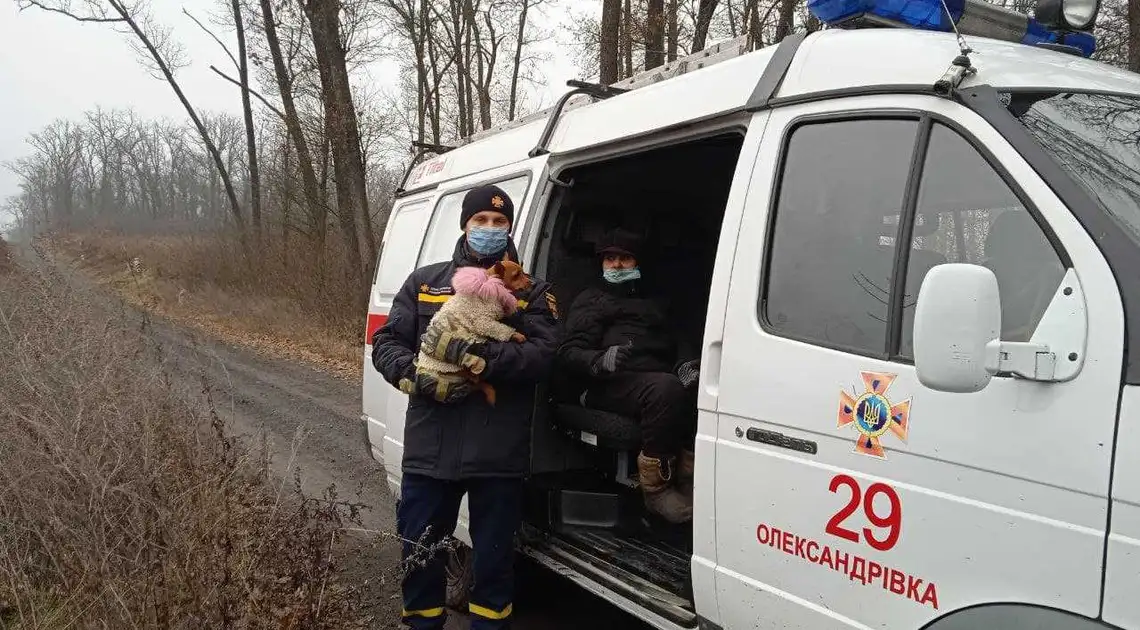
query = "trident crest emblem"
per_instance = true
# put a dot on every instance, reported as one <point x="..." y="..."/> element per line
<point x="873" y="415"/>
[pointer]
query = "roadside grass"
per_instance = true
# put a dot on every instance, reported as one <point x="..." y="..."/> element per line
<point x="276" y="304"/>
<point x="125" y="503"/>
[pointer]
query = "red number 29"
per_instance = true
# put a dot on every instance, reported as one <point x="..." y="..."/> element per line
<point x="892" y="521"/>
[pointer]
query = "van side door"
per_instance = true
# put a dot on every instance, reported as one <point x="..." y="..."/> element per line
<point x="847" y="494"/>
<point x="383" y="405"/>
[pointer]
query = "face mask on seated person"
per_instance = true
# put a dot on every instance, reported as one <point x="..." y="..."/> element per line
<point x="488" y="241"/>
<point x="618" y="276"/>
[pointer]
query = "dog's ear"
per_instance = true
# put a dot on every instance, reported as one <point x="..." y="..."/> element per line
<point x="498" y="270"/>
<point x="506" y="254"/>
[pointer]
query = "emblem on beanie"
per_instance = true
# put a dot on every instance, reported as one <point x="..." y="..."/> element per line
<point x="497" y="201"/>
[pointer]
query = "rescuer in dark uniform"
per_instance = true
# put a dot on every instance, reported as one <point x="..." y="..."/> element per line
<point x="623" y="345"/>
<point x="454" y="442"/>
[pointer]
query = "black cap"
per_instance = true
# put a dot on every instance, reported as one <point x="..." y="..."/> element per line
<point x="484" y="198"/>
<point x="619" y="241"/>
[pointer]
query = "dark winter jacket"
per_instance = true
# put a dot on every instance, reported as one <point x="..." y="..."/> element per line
<point x="614" y="314"/>
<point x="469" y="438"/>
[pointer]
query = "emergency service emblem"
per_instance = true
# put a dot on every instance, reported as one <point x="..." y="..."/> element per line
<point x="497" y="201"/>
<point x="873" y="415"/>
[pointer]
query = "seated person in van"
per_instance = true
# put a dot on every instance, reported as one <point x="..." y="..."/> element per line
<point x="622" y="347"/>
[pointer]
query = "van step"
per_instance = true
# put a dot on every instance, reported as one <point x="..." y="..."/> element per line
<point x="663" y="566"/>
<point x="634" y="587"/>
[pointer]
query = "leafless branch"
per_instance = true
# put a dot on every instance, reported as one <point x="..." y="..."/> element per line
<point x="26" y="4"/>
<point x="215" y="37"/>
<point x="252" y="91"/>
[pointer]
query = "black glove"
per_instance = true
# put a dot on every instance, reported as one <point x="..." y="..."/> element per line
<point x="443" y="388"/>
<point x="448" y="348"/>
<point x="689" y="373"/>
<point x="612" y="359"/>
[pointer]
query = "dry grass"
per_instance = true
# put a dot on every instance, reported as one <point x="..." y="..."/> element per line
<point x="5" y="257"/>
<point x="276" y="304"/>
<point x="124" y="504"/>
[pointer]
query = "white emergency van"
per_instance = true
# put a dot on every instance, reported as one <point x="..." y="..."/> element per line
<point x="913" y="260"/>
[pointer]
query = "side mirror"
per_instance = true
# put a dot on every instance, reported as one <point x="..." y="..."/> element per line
<point x="957" y="316"/>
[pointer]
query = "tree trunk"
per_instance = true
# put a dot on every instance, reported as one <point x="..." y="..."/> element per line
<point x="434" y="115"/>
<point x="671" y="33"/>
<point x="460" y="70"/>
<point x="469" y="91"/>
<point x="519" y="39"/>
<point x="348" y="161"/>
<point x="318" y="210"/>
<point x="609" y="50"/>
<point x="755" y="24"/>
<point x="654" y="34"/>
<point x="786" y="19"/>
<point x="705" y="11"/>
<point x="627" y="37"/>
<point x="250" y="134"/>
<point x="1134" y="35"/>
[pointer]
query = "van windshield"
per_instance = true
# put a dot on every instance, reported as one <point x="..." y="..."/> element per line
<point x="1096" y="138"/>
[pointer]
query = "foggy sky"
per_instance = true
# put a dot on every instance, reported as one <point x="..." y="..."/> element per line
<point x="53" y="67"/>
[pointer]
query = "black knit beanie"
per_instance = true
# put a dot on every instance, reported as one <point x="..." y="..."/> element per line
<point x="489" y="198"/>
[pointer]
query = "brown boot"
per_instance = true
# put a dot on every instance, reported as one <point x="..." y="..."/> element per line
<point x="655" y="476"/>
<point x="685" y="467"/>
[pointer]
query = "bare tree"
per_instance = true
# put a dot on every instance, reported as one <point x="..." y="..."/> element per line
<point x="785" y="19"/>
<point x="516" y="68"/>
<point x="1133" y="18"/>
<point x="247" y="112"/>
<point x="672" y="31"/>
<point x="705" y="12"/>
<point x="318" y="210"/>
<point x="151" y="38"/>
<point x="343" y="133"/>
<point x="609" y="51"/>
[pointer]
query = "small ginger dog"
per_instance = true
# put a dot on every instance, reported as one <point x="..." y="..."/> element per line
<point x="483" y="297"/>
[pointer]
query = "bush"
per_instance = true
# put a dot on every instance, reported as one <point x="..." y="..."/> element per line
<point x="126" y="504"/>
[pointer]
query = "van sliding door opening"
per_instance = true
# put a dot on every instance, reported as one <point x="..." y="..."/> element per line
<point x="584" y="501"/>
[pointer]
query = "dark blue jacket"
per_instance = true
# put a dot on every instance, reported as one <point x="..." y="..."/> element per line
<point x="469" y="438"/>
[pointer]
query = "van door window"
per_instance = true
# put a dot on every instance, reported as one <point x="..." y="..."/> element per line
<point x="966" y="213"/>
<point x="832" y="251"/>
<point x="444" y="229"/>
<point x="401" y="246"/>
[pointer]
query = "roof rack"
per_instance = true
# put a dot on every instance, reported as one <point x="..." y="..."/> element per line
<point x="424" y="149"/>
<point x="585" y="93"/>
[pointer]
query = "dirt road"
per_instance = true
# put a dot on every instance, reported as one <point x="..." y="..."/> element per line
<point x="257" y="393"/>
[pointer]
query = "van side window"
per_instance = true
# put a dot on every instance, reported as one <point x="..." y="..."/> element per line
<point x="832" y="247"/>
<point x="401" y="245"/>
<point x="444" y="230"/>
<point x="966" y="213"/>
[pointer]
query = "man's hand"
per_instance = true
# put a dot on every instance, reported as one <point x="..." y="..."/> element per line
<point x="445" y="389"/>
<point x="449" y="348"/>
<point x="612" y="359"/>
<point x="689" y="373"/>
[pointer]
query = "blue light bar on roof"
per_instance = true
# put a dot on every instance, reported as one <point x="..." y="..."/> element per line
<point x="973" y="17"/>
<point x="924" y="14"/>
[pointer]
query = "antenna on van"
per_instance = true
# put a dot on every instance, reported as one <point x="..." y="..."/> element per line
<point x="961" y="67"/>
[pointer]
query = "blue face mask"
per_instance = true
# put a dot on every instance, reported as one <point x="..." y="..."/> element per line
<point x="618" y="276"/>
<point x="488" y="241"/>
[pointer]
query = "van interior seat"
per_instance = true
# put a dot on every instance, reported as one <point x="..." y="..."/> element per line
<point x="613" y="431"/>
<point x="571" y="274"/>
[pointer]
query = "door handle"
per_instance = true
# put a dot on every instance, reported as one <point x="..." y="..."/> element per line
<point x="773" y="438"/>
<point x="711" y="368"/>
